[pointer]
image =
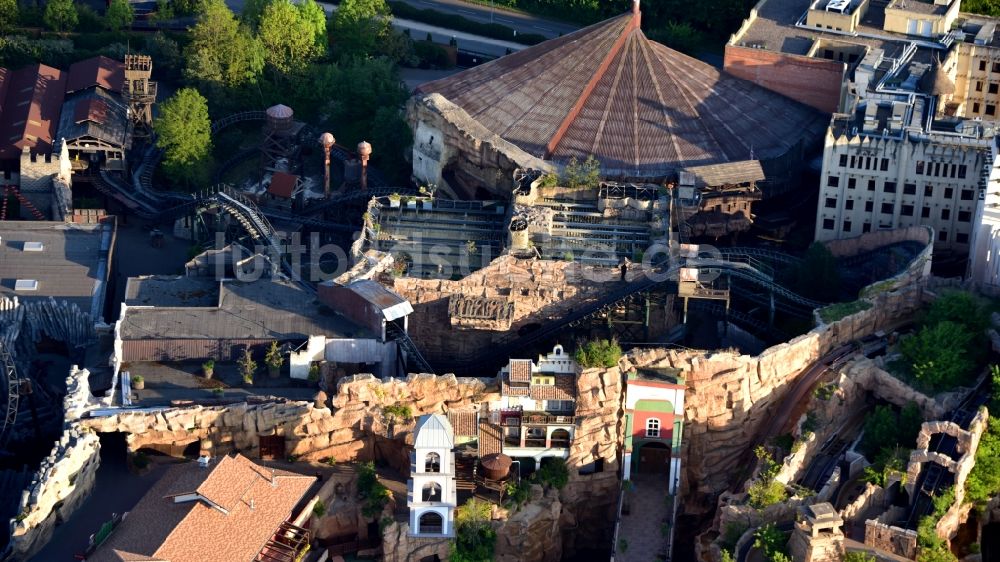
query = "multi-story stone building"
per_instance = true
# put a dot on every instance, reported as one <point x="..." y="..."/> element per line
<point x="912" y="86"/>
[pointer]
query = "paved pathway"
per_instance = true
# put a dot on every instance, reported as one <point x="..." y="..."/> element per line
<point x="643" y="528"/>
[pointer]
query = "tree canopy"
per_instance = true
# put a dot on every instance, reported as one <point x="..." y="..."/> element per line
<point x="223" y="52"/>
<point x="314" y="18"/>
<point x="289" y="40"/>
<point x="360" y="27"/>
<point x="184" y="133"/>
<point x="119" y="15"/>
<point x="60" y="15"/>
<point x="8" y="15"/>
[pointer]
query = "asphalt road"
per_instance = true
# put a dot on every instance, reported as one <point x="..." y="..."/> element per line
<point x="523" y="23"/>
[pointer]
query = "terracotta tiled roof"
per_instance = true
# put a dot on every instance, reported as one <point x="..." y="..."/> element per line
<point x="520" y="370"/>
<point x="563" y="389"/>
<point x="464" y="422"/>
<point x="158" y="528"/>
<point x="31" y="110"/>
<point x="490" y="439"/>
<point x="508" y="389"/>
<point x="642" y="109"/>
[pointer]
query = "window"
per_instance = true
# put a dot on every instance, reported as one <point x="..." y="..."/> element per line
<point x="906" y="210"/>
<point x="887" y="208"/>
<point x="831" y="203"/>
<point x="909" y="189"/>
<point x="833" y="181"/>
<point x="431" y="492"/>
<point x="979" y="86"/>
<point x="982" y="66"/>
<point x="869" y="206"/>
<point x="884" y="165"/>
<point x="920" y="168"/>
<point x="975" y="107"/>
<point x="962" y="238"/>
<point x="560" y="405"/>
<point x="996" y="67"/>
<point x="867" y="227"/>
<point x="964" y="216"/>
<point x="967" y="195"/>
<point x="962" y="169"/>
<point x="928" y="191"/>
<point x="994" y="88"/>
<point x="851" y="183"/>
<point x="889" y="187"/>
<point x="925" y="213"/>
<point x="991" y="109"/>
<point x="652" y="427"/>
<point x="849" y="205"/>
<point x="843" y="160"/>
<point x="430" y="523"/>
<point x="871" y="185"/>
<point x="949" y="193"/>
<point x="432" y="462"/>
<point x="847" y="226"/>
<point x="827" y="224"/>
<point x="945" y="214"/>
<point x="942" y="236"/>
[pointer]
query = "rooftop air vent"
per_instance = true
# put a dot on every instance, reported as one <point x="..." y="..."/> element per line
<point x="33" y="247"/>
<point x="26" y="285"/>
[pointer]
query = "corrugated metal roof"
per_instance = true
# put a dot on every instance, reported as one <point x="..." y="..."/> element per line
<point x="167" y="290"/>
<point x="642" y="109"/>
<point x="392" y="305"/>
<point x="31" y="110"/>
<point x="434" y="431"/>
<point x="717" y="175"/>
<point x="96" y="71"/>
<point x="95" y="113"/>
<point x="266" y="309"/>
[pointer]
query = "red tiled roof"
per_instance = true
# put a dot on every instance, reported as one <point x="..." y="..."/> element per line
<point x="642" y="109"/>
<point x="31" y="109"/>
<point x="464" y="422"/>
<point x="490" y="439"/>
<point x="563" y="389"/>
<point x="283" y="185"/>
<point x="520" y="370"/>
<point x="96" y="71"/>
<point x="507" y="389"/>
<point x="90" y="110"/>
<point x="158" y="528"/>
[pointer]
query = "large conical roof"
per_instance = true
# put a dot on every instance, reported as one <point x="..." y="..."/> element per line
<point x="642" y="109"/>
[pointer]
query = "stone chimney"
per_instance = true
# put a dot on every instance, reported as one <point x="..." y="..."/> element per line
<point x="364" y="153"/>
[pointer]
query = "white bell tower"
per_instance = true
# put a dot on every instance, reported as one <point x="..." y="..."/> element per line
<point x="432" y="478"/>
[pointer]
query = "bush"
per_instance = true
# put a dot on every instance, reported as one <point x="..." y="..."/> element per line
<point x="376" y="495"/>
<point x="553" y="472"/>
<point x="858" y="556"/>
<point x="319" y="508"/>
<point x="765" y="490"/>
<point x="581" y="175"/>
<point x="939" y="355"/>
<point x="772" y="542"/>
<point x="885" y="430"/>
<point x="841" y="310"/>
<point x="431" y="55"/>
<point x="598" y="353"/>
<point x="474" y="536"/>
<point x="397" y="412"/>
<point x="984" y="480"/>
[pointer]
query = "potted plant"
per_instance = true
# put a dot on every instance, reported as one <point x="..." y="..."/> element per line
<point x="274" y="360"/>
<point x="208" y="368"/>
<point x="138" y="383"/>
<point x="394" y="199"/>
<point x="247" y="367"/>
<point x="411" y="202"/>
<point x="428" y="191"/>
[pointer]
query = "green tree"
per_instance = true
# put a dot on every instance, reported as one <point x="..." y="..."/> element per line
<point x="577" y="175"/>
<point x="60" y="15"/>
<point x="475" y="537"/>
<point x="984" y="7"/>
<point x="882" y="431"/>
<point x="984" y="480"/>
<point x="9" y="15"/>
<point x="289" y="43"/>
<point x="859" y="556"/>
<point x="772" y="542"/>
<point x="360" y="27"/>
<point x="184" y="133"/>
<point x="119" y="15"/>
<point x="314" y="17"/>
<point x="598" y="353"/>
<point x="248" y="367"/>
<point x="221" y="51"/>
<point x="253" y="11"/>
<point x="939" y="356"/>
<point x="679" y="35"/>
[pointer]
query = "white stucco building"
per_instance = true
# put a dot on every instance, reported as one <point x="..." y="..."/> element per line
<point x="432" y="499"/>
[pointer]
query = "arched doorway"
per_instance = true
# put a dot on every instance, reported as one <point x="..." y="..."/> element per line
<point x="431" y="523"/>
<point x="559" y="438"/>
<point x="654" y="458"/>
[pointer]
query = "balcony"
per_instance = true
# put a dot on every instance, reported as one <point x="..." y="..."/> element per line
<point x="547" y="419"/>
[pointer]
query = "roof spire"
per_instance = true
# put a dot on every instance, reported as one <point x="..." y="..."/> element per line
<point x="635" y="7"/>
<point x="636" y="14"/>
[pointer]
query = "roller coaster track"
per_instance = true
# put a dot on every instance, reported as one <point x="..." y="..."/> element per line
<point x="13" y="391"/>
<point x="762" y="254"/>
<point x="749" y="273"/>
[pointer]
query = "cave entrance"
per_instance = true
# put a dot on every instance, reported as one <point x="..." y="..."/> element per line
<point x="654" y="458"/>
<point x="272" y="447"/>
<point x="991" y="542"/>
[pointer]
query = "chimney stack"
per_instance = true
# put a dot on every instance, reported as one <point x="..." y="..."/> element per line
<point x="327" y="140"/>
<point x="364" y="153"/>
<point x="636" y="14"/>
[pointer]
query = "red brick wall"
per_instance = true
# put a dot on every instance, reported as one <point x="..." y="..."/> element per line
<point x="814" y="82"/>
